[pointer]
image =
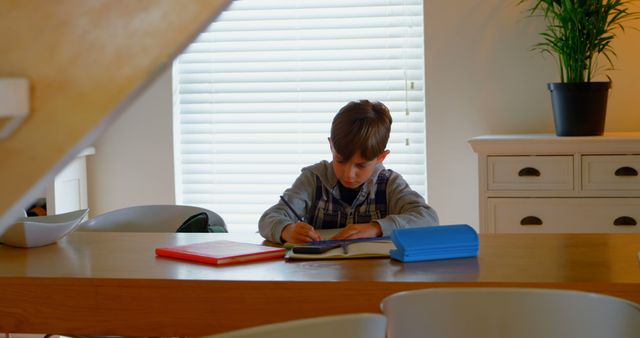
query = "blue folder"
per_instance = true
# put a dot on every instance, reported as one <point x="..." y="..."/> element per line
<point x="434" y="242"/>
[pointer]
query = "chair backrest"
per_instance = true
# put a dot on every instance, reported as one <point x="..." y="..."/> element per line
<point x="509" y="313"/>
<point x="147" y="218"/>
<point x="356" y="325"/>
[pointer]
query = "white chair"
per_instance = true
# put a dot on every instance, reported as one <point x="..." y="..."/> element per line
<point x="509" y="313"/>
<point x="147" y="218"/>
<point x="357" y="325"/>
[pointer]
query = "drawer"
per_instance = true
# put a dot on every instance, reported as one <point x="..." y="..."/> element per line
<point x="543" y="215"/>
<point x="530" y="173"/>
<point x="619" y="172"/>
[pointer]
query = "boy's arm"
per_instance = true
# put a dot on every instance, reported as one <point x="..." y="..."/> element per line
<point x="300" y="196"/>
<point x="406" y="208"/>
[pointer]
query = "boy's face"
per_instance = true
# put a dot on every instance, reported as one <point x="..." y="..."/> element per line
<point x="353" y="172"/>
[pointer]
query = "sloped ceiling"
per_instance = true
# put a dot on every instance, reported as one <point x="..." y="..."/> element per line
<point x="86" y="60"/>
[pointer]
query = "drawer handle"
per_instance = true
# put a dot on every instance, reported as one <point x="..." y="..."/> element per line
<point x="531" y="220"/>
<point x="626" y="171"/>
<point x="625" y="221"/>
<point x="528" y="171"/>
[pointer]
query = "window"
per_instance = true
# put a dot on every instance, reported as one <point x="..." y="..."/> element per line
<point x="256" y="92"/>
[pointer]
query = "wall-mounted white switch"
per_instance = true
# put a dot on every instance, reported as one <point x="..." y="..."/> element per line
<point x="14" y="103"/>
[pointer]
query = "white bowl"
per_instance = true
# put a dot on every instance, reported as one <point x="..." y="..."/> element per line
<point x="30" y="232"/>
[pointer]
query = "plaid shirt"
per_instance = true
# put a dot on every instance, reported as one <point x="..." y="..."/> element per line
<point x="329" y="212"/>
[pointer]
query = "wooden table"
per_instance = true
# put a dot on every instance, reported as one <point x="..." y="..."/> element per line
<point x="112" y="283"/>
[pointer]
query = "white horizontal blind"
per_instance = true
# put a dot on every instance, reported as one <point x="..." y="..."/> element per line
<point x="255" y="94"/>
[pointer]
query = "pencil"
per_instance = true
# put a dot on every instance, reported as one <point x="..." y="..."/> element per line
<point x="291" y="208"/>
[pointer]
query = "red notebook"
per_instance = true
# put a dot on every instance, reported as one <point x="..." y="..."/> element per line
<point x="222" y="252"/>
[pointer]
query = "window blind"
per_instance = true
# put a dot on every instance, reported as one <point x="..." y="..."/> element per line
<point x="255" y="94"/>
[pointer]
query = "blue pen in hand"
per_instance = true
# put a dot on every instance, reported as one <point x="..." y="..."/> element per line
<point x="291" y="208"/>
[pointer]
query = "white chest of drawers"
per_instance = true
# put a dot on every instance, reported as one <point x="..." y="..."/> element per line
<point x="544" y="183"/>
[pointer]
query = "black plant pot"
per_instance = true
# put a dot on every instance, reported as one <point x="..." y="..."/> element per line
<point x="579" y="109"/>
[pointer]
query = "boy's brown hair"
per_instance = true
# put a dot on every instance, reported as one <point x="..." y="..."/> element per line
<point x="361" y="126"/>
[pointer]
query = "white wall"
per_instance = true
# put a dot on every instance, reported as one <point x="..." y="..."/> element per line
<point x="133" y="163"/>
<point x="481" y="78"/>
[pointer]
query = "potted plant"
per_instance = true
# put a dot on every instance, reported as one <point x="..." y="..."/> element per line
<point x="579" y="33"/>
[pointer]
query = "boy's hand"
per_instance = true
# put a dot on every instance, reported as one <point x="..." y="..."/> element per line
<point x="299" y="233"/>
<point x="360" y="230"/>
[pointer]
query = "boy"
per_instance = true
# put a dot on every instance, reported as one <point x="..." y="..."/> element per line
<point x="354" y="191"/>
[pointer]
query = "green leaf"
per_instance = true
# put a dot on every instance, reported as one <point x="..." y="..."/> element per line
<point x="578" y="32"/>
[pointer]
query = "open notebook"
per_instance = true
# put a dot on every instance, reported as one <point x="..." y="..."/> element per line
<point x="333" y="249"/>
